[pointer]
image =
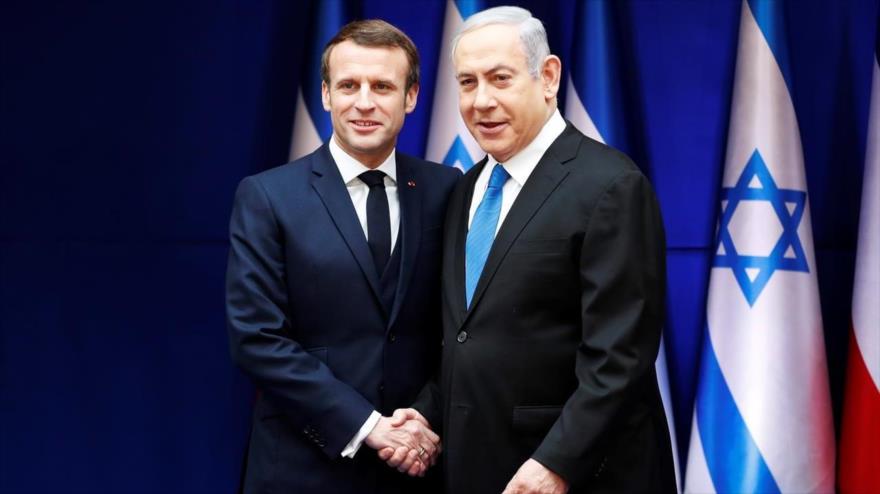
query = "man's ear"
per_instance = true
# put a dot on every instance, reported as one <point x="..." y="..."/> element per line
<point x="551" y="73"/>
<point x="325" y="95"/>
<point x="412" y="95"/>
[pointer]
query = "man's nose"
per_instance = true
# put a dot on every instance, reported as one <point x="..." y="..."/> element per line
<point x="484" y="98"/>
<point x="365" y="99"/>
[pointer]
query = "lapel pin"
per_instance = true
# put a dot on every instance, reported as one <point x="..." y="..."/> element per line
<point x="411" y="183"/>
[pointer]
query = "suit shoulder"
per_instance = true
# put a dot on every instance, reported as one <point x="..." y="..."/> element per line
<point x="605" y="155"/>
<point x="429" y="166"/>
<point x="282" y="176"/>
<point x="433" y="171"/>
<point x="287" y="170"/>
<point x="600" y="162"/>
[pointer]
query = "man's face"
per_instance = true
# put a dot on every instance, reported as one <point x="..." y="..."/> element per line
<point x="503" y="106"/>
<point x="367" y="100"/>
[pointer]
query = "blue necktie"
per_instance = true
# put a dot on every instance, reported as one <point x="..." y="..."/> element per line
<point x="482" y="231"/>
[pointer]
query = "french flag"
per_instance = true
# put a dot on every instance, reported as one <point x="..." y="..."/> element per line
<point x="595" y="103"/>
<point x="859" y="463"/>
<point x="762" y="417"/>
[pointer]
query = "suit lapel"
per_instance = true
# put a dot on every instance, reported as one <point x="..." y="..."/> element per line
<point x="547" y="175"/>
<point x="459" y="242"/>
<point x="327" y="182"/>
<point x="410" y="233"/>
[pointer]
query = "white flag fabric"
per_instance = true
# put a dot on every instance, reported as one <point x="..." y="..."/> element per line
<point x="450" y="142"/>
<point x="762" y="417"/>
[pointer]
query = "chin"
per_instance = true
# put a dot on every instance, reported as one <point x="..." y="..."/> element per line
<point x="494" y="149"/>
<point x="373" y="146"/>
<point x="366" y="144"/>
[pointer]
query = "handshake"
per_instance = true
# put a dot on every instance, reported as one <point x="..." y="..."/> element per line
<point x="405" y="441"/>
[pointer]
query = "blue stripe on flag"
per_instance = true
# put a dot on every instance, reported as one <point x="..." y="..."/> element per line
<point x="734" y="461"/>
<point x="771" y="21"/>
<point x="328" y="17"/>
<point x="458" y="154"/>
<point x="468" y="8"/>
<point x="597" y="73"/>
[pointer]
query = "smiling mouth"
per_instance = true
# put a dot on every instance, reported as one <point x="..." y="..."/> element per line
<point x="364" y="124"/>
<point x="491" y="127"/>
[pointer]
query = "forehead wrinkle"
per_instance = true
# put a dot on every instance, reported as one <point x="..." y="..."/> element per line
<point x="494" y="39"/>
<point x="489" y="59"/>
<point x="349" y="60"/>
<point x="362" y="72"/>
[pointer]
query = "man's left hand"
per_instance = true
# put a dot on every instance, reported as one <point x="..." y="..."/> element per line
<point x="416" y="460"/>
<point x="534" y="478"/>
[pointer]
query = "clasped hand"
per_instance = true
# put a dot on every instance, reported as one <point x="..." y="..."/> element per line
<point x="405" y="441"/>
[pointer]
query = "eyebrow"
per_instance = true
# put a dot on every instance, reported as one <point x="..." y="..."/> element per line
<point x="495" y="68"/>
<point x="388" y="82"/>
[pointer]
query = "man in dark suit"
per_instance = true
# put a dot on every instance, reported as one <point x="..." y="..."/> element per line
<point x="553" y="286"/>
<point x="332" y="290"/>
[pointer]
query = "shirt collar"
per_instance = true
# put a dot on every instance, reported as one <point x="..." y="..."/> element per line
<point x="521" y="165"/>
<point x="350" y="168"/>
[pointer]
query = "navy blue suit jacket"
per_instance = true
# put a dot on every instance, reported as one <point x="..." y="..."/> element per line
<point x="307" y="324"/>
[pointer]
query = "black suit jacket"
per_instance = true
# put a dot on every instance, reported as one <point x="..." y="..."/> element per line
<point x="555" y="358"/>
<point x="307" y="323"/>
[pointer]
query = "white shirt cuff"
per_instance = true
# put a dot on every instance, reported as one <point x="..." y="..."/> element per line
<point x="355" y="444"/>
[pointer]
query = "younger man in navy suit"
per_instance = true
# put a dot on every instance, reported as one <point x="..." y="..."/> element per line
<point x="332" y="289"/>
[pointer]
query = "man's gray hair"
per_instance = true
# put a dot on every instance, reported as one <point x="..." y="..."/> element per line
<point x="531" y="32"/>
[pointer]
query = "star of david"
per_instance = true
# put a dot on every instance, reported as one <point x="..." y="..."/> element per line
<point x="753" y="272"/>
<point x="458" y="156"/>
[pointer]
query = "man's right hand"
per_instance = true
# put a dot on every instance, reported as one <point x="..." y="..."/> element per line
<point x="405" y="441"/>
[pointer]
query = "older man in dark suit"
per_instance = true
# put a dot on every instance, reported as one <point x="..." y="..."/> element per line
<point x="553" y="287"/>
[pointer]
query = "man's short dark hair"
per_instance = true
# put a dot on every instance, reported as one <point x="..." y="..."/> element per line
<point x="374" y="32"/>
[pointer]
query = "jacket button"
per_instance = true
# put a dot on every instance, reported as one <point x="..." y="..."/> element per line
<point x="381" y="388"/>
<point x="462" y="337"/>
<point x="392" y="337"/>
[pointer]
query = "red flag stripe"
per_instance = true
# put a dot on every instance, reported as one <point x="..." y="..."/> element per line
<point x="859" y="463"/>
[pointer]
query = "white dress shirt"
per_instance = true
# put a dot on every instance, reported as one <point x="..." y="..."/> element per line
<point x="519" y="166"/>
<point x="350" y="169"/>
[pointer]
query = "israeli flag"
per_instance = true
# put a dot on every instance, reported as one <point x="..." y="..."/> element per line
<point x="311" y="124"/>
<point x="450" y="142"/>
<point x="762" y="417"/>
<point x="595" y="104"/>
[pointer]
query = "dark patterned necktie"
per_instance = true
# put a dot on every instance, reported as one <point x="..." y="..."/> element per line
<point x="378" y="219"/>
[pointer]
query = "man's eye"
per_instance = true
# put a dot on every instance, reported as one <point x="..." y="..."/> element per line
<point x="502" y="77"/>
<point x="346" y="85"/>
<point x="466" y="82"/>
<point x="382" y="86"/>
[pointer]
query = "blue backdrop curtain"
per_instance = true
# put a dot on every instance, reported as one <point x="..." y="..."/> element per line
<point x="125" y="127"/>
